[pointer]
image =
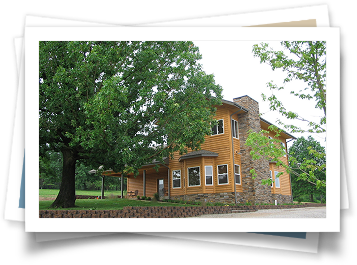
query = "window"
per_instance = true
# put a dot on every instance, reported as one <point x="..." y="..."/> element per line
<point x="194" y="176"/>
<point x="237" y="173"/>
<point x="209" y="175"/>
<point x="218" y="129"/>
<point x="235" y="129"/>
<point x="222" y="174"/>
<point x="283" y="145"/>
<point x="277" y="180"/>
<point x="176" y="179"/>
<point x="271" y="177"/>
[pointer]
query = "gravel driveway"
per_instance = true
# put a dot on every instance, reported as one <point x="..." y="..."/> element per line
<point x="308" y="212"/>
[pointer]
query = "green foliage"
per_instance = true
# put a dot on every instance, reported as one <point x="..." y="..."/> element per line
<point x="300" y="60"/>
<point x="307" y="159"/>
<point x="121" y="105"/>
<point x="156" y="196"/>
<point x="304" y="61"/>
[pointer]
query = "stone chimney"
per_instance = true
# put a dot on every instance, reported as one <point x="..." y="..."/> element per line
<point x="253" y="190"/>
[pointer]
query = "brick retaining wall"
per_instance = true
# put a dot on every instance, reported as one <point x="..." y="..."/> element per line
<point x="162" y="212"/>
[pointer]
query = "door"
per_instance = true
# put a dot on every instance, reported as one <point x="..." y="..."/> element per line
<point x="160" y="187"/>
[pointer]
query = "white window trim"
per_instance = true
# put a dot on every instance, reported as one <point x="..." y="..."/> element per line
<point x="284" y="145"/>
<point x="208" y="175"/>
<point x="237" y="133"/>
<point x="278" y="178"/>
<point x="219" y="174"/>
<point x="173" y="179"/>
<point x="188" y="177"/>
<point x="217" y="127"/>
<point x="240" y="181"/>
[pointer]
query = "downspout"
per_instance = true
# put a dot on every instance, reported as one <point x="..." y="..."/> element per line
<point x="235" y="181"/>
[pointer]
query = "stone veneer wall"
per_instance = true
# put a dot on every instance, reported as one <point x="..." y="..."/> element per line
<point x="228" y="197"/>
<point x="253" y="190"/>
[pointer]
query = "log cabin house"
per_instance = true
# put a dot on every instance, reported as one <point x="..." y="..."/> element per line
<point x="220" y="171"/>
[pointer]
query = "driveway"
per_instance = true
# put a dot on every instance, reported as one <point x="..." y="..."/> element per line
<point x="308" y="212"/>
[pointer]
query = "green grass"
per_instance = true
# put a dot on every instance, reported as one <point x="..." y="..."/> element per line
<point x="94" y="204"/>
<point x="54" y="193"/>
<point x="108" y="204"/>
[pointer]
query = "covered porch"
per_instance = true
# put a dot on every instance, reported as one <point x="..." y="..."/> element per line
<point x="148" y="182"/>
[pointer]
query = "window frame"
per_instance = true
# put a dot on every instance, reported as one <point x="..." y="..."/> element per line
<point x="208" y="175"/>
<point x="235" y="129"/>
<point x="222" y="174"/>
<point x="276" y="173"/>
<point x="173" y="186"/>
<point x="188" y="176"/>
<point x="217" y="126"/>
<point x="271" y="177"/>
<point x="240" y="182"/>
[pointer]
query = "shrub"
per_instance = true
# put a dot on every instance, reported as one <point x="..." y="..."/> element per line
<point x="156" y="196"/>
<point x="143" y="198"/>
<point x="148" y="198"/>
<point x="138" y="197"/>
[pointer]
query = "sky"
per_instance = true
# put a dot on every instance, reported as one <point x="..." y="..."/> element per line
<point x="240" y="73"/>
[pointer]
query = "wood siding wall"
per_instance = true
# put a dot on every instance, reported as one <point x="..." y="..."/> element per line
<point x="221" y="144"/>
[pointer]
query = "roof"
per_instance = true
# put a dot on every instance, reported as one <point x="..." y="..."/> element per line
<point x="198" y="153"/>
<point x="284" y="132"/>
<point x="245" y="110"/>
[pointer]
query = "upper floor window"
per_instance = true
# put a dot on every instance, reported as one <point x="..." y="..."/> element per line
<point x="235" y="129"/>
<point x="271" y="178"/>
<point x="283" y="145"/>
<point x="218" y="129"/>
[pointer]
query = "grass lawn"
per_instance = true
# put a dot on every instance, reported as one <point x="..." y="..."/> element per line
<point x="54" y="193"/>
<point x="108" y="204"/>
<point x="94" y="204"/>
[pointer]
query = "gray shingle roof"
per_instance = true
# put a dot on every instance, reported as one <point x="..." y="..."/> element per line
<point x="198" y="153"/>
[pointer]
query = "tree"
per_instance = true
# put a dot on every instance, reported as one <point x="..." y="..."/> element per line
<point x="302" y="154"/>
<point x="121" y="105"/>
<point x="304" y="61"/>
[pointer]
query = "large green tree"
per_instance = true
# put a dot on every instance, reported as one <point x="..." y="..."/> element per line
<point x="308" y="158"/>
<point x="300" y="61"/>
<point x="121" y="104"/>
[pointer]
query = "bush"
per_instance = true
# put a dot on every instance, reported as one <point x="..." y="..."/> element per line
<point x="138" y="197"/>
<point x="148" y="198"/>
<point x="156" y="196"/>
<point x="143" y="198"/>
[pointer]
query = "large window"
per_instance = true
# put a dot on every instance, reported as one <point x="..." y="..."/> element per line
<point x="176" y="179"/>
<point x="209" y="175"/>
<point x="194" y="176"/>
<point x="235" y="129"/>
<point x="218" y="129"/>
<point x="237" y="173"/>
<point x="222" y="174"/>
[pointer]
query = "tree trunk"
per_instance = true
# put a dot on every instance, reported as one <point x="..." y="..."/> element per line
<point x="311" y="197"/>
<point x="66" y="197"/>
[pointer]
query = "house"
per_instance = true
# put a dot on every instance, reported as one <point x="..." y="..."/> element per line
<point x="220" y="171"/>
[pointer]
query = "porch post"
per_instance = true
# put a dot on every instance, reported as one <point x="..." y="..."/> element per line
<point x="144" y="182"/>
<point x="121" y="186"/>
<point x="103" y="186"/>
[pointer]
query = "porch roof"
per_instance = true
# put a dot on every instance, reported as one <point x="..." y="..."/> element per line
<point x="198" y="153"/>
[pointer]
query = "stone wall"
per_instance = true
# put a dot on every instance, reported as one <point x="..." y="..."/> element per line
<point x="228" y="197"/>
<point x="253" y="190"/>
<point x="162" y="212"/>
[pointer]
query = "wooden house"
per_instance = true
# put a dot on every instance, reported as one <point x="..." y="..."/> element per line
<point x="220" y="171"/>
